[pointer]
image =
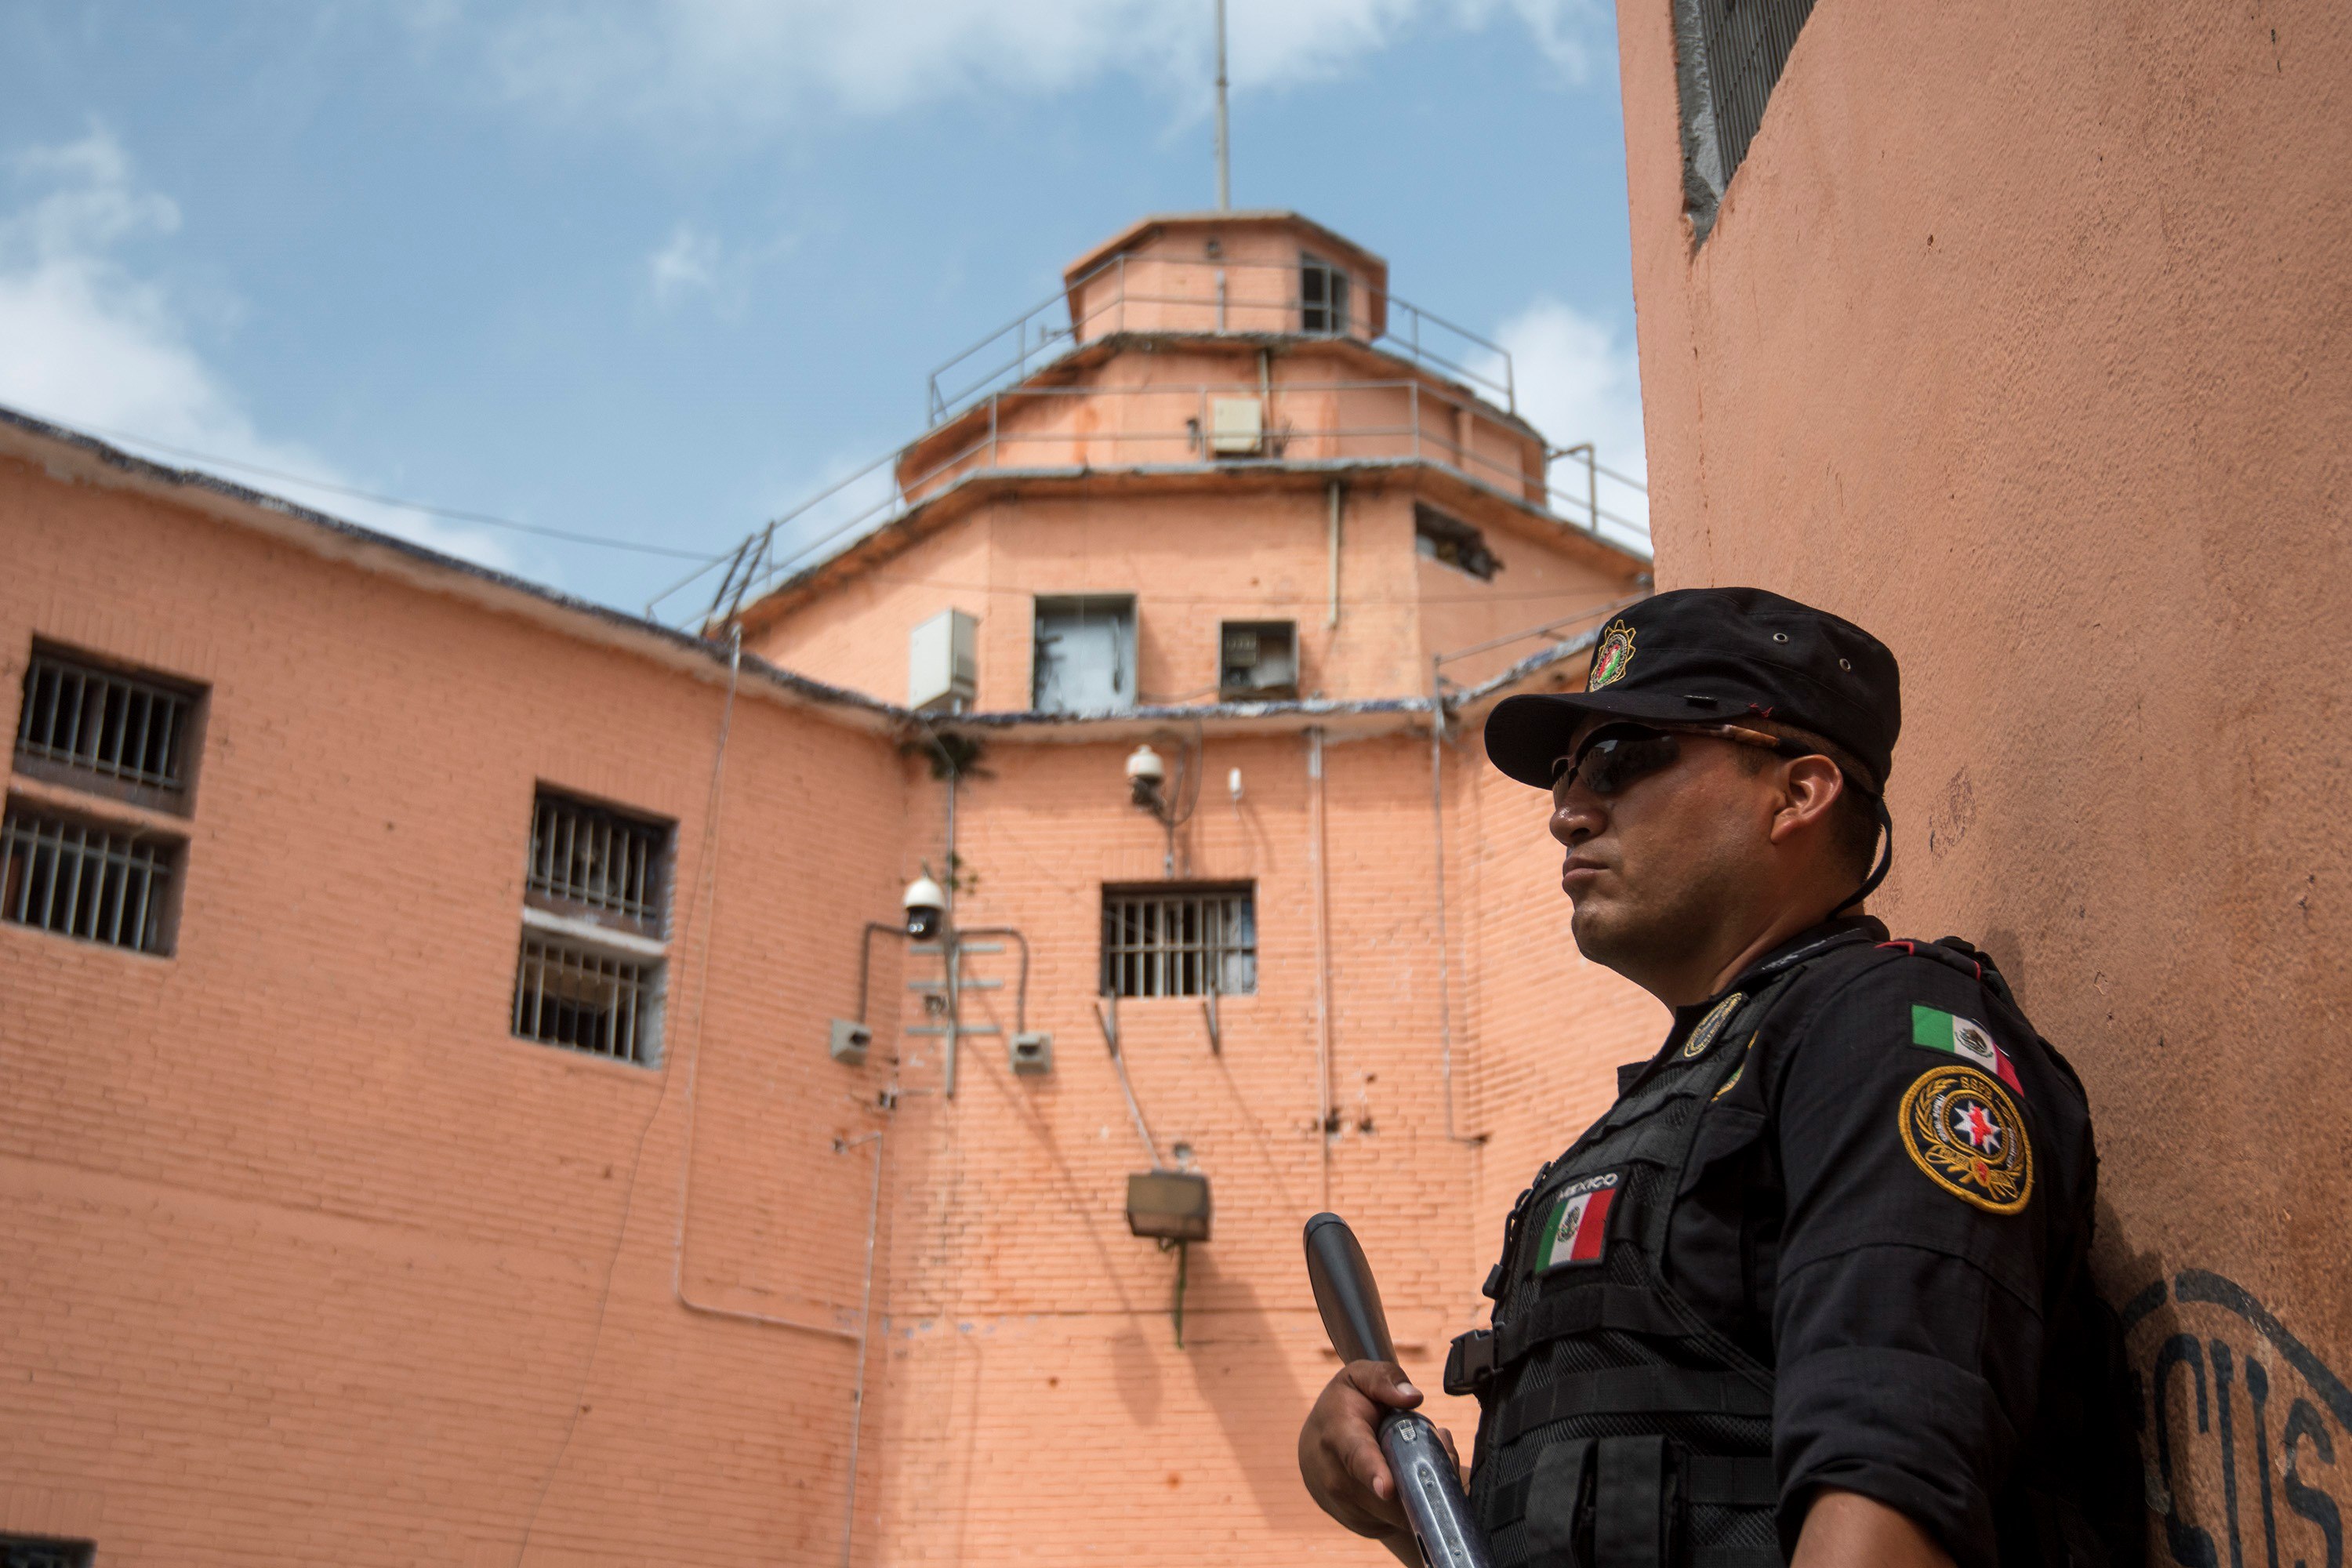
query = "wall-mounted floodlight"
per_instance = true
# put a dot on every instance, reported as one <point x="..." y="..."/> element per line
<point x="1168" y="1206"/>
<point x="926" y="904"/>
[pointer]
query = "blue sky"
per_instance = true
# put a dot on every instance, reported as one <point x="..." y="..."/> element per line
<point x="655" y="269"/>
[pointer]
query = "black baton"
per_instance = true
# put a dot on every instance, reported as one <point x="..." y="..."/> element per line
<point x="1425" y="1480"/>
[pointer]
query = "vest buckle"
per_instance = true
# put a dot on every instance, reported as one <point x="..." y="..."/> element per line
<point x="1470" y="1361"/>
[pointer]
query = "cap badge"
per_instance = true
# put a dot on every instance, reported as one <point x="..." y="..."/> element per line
<point x="1610" y="659"/>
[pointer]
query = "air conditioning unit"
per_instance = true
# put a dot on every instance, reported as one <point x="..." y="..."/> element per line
<point x="943" y="663"/>
<point x="1236" y="426"/>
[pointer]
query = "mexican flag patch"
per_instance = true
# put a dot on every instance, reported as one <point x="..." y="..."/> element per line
<point x="1577" y="1228"/>
<point x="1965" y="1038"/>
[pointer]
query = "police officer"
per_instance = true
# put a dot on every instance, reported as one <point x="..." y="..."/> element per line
<point x="1813" y="1290"/>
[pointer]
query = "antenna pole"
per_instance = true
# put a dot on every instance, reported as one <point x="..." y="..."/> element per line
<point x="1224" y="147"/>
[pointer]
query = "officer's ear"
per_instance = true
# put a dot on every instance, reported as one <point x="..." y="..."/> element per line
<point x="1810" y="787"/>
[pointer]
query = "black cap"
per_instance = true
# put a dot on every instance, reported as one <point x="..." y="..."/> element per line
<point x="1716" y="656"/>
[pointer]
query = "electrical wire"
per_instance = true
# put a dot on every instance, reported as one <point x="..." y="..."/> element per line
<point x="456" y="514"/>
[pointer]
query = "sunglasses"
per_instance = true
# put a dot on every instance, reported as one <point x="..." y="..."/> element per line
<point x="1615" y="755"/>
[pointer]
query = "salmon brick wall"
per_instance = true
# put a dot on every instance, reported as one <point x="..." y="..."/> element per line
<point x="307" y="1259"/>
<point x="305" y="1255"/>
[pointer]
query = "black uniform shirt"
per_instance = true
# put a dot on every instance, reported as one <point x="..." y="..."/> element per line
<point x="1886" y="1205"/>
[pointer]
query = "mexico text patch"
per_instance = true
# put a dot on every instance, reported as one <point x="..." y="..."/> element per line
<point x="1576" y="1226"/>
<point x="1964" y="1130"/>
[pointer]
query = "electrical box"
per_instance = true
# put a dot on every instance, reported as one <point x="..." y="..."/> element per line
<point x="1236" y="426"/>
<point x="1258" y="661"/>
<point x="943" y="663"/>
<point x="1168" y="1206"/>
<point x="848" y="1043"/>
<point x="1032" y="1054"/>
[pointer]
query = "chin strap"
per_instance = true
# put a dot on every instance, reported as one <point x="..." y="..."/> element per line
<point x="1886" y="856"/>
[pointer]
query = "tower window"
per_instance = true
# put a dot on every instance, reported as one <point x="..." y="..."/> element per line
<point x="1085" y="660"/>
<point x="1164" y="940"/>
<point x="1450" y="540"/>
<point x="1257" y="660"/>
<point x="1730" y="53"/>
<point x="1322" y="296"/>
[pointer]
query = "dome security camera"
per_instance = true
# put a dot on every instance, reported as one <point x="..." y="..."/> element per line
<point x="926" y="904"/>
<point x="1144" y="773"/>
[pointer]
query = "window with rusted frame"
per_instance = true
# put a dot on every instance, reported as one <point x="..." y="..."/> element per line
<point x="569" y="993"/>
<point x="110" y="885"/>
<point x="130" y="734"/>
<point x="1164" y="940"/>
<point x="592" y="861"/>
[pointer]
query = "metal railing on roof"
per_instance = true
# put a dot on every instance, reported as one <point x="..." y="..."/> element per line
<point x="1112" y="298"/>
<point x="1425" y="425"/>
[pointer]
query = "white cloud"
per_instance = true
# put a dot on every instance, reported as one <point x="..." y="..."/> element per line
<point x="688" y="264"/>
<point x="753" y="62"/>
<point x="87" y="341"/>
<point x="1578" y="381"/>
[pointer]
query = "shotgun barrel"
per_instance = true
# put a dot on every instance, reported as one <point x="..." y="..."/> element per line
<point x="1426" y="1482"/>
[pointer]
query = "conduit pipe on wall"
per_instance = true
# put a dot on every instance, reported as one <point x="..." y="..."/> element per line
<point x="1331" y="616"/>
<point x="710" y="876"/>
<point x="865" y="1322"/>
<point x="1318" y="859"/>
<point x="1444" y="953"/>
<point x="861" y="1335"/>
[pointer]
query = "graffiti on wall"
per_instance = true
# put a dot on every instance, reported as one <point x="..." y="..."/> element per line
<point x="2240" y="1423"/>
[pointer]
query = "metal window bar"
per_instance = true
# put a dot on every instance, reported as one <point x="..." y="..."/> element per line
<point x="599" y="859"/>
<point x="1193" y="942"/>
<point x="567" y="994"/>
<point x="78" y="881"/>
<point x="1747" y="45"/>
<point x="103" y="721"/>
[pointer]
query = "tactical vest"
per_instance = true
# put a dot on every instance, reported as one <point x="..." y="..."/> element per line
<point x="1618" y="1429"/>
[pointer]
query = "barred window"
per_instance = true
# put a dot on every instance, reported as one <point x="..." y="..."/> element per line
<point x="109" y="885"/>
<point x="568" y="994"/>
<point x="1177" y="940"/>
<point x="594" y="860"/>
<point x="46" y="1551"/>
<point x="1730" y="53"/>
<point x="596" y="905"/>
<point x="84" y="719"/>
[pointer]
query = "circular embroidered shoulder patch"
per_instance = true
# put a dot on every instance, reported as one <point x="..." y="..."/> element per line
<point x="1964" y="1130"/>
<point x="1711" y="1026"/>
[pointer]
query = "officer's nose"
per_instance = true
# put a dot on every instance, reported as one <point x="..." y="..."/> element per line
<point x="1576" y="816"/>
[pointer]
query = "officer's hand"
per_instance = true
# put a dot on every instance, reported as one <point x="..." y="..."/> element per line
<point x="1340" y="1458"/>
